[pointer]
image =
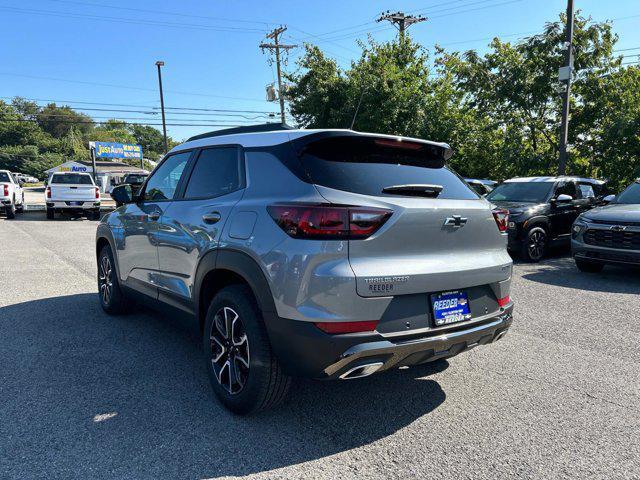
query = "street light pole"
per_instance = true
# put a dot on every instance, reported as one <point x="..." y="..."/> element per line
<point x="164" y="123"/>
<point x="566" y="73"/>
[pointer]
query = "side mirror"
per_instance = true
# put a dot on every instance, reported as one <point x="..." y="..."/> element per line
<point x="564" y="198"/>
<point x="608" y="199"/>
<point x="122" y="194"/>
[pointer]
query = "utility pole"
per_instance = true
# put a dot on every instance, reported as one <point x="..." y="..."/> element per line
<point x="400" y="20"/>
<point x="159" y="64"/>
<point x="276" y="46"/>
<point x="564" y="75"/>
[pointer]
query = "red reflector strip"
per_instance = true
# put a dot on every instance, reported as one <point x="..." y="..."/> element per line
<point x="504" y="301"/>
<point x="347" y="327"/>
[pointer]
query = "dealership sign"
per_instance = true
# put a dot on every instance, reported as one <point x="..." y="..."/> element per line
<point x="116" y="150"/>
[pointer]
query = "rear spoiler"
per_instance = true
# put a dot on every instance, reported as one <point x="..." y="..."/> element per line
<point x="412" y="150"/>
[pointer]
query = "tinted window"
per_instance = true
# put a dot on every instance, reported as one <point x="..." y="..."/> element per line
<point x="164" y="181"/>
<point x="521" y="192"/>
<point x="4" y="177"/>
<point x="217" y="172"/>
<point x="630" y="195"/>
<point x="368" y="166"/>
<point x="137" y="179"/>
<point x="71" y="179"/>
<point x="568" y="188"/>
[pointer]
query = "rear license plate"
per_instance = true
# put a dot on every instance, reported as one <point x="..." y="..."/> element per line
<point x="76" y="204"/>
<point x="450" y="307"/>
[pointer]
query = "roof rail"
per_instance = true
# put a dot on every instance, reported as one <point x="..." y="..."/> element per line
<point x="263" y="127"/>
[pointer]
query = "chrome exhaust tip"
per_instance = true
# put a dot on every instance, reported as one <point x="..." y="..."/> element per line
<point x="361" y="371"/>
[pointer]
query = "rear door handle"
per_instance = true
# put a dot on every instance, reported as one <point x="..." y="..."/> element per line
<point x="210" y="218"/>
<point x="154" y="216"/>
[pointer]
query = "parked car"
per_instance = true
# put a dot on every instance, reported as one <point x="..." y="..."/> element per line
<point x="135" y="180"/>
<point x="542" y="210"/>
<point x="11" y="194"/>
<point x="609" y="234"/>
<point x="325" y="254"/>
<point x="74" y="193"/>
<point x="483" y="187"/>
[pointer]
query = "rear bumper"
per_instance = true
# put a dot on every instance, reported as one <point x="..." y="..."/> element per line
<point x="304" y="350"/>
<point x="69" y="204"/>
<point x="612" y="256"/>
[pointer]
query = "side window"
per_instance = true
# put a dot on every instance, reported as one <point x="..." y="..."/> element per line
<point x="217" y="171"/>
<point x="586" y="190"/>
<point x="163" y="182"/>
<point x="568" y="188"/>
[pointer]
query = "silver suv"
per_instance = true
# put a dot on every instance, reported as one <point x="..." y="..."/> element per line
<point x="326" y="254"/>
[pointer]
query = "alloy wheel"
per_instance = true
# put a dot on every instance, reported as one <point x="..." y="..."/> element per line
<point x="537" y="245"/>
<point x="229" y="350"/>
<point x="105" y="280"/>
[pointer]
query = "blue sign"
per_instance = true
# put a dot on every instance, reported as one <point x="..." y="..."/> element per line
<point x="116" y="150"/>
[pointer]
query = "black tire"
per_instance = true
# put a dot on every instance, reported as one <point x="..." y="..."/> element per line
<point x="534" y="246"/>
<point x="112" y="299"/>
<point x="94" y="215"/>
<point x="50" y="214"/>
<point x="589" y="267"/>
<point x="11" y="210"/>
<point x="260" y="384"/>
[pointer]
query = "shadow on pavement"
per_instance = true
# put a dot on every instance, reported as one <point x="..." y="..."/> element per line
<point x="86" y="395"/>
<point x="562" y="272"/>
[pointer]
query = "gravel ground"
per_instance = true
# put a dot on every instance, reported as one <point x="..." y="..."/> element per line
<point x="84" y="395"/>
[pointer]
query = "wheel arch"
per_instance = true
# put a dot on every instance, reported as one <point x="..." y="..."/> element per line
<point x="104" y="237"/>
<point x="537" y="221"/>
<point x="223" y="267"/>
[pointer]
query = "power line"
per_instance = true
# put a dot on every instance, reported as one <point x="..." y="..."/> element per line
<point x="79" y="102"/>
<point x="275" y="47"/>
<point x="161" y="12"/>
<point x="120" y="20"/>
<point x="127" y="87"/>
<point x="92" y="122"/>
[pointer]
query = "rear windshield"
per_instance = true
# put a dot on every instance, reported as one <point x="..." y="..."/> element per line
<point x="368" y="166"/>
<point x="71" y="179"/>
<point x="630" y="195"/>
<point x="4" y="177"/>
<point x="521" y="192"/>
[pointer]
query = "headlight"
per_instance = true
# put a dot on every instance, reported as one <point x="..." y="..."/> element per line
<point x="578" y="228"/>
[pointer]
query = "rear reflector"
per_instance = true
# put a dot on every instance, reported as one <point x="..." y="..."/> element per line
<point x="328" y="222"/>
<point x="347" y="327"/>
<point x="501" y="217"/>
<point x="504" y="301"/>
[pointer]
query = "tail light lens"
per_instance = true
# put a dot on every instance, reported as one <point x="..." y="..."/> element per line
<point x="328" y="222"/>
<point x="501" y="217"/>
<point x="347" y="327"/>
<point x="97" y="193"/>
<point x="6" y="190"/>
<point x="48" y="192"/>
<point x="504" y="301"/>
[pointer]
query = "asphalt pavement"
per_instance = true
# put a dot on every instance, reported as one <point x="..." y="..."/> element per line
<point x="84" y="395"/>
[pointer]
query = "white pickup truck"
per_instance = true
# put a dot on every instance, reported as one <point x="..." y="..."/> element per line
<point x="11" y="194"/>
<point x="74" y="193"/>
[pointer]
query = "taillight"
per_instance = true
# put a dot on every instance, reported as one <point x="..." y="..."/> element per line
<point x="6" y="190"/>
<point x="328" y="222"/>
<point x="48" y="192"/>
<point x="504" y="301"/>
<point x="97" y="193"/>
<point x="501" y="217"/>
<point x="347" y="327"/>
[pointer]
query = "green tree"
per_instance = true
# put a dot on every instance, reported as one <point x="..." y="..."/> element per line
<point x="58" y="121"/>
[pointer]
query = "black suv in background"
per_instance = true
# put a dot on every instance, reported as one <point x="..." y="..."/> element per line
<point x="542" y="210"/>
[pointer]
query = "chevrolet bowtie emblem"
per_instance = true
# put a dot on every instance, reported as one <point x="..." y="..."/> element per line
<point x="618" y="228"/>
<point x="455" y="221"/>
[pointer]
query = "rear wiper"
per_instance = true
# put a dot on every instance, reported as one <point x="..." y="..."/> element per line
<point x="414" y="190"/>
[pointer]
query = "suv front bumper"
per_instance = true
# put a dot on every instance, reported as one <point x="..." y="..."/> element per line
<point x="304" y="350"/>
<point x="597" y="254"/>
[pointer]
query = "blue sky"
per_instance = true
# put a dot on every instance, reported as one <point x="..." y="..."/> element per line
<point x="103" y="51"/>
